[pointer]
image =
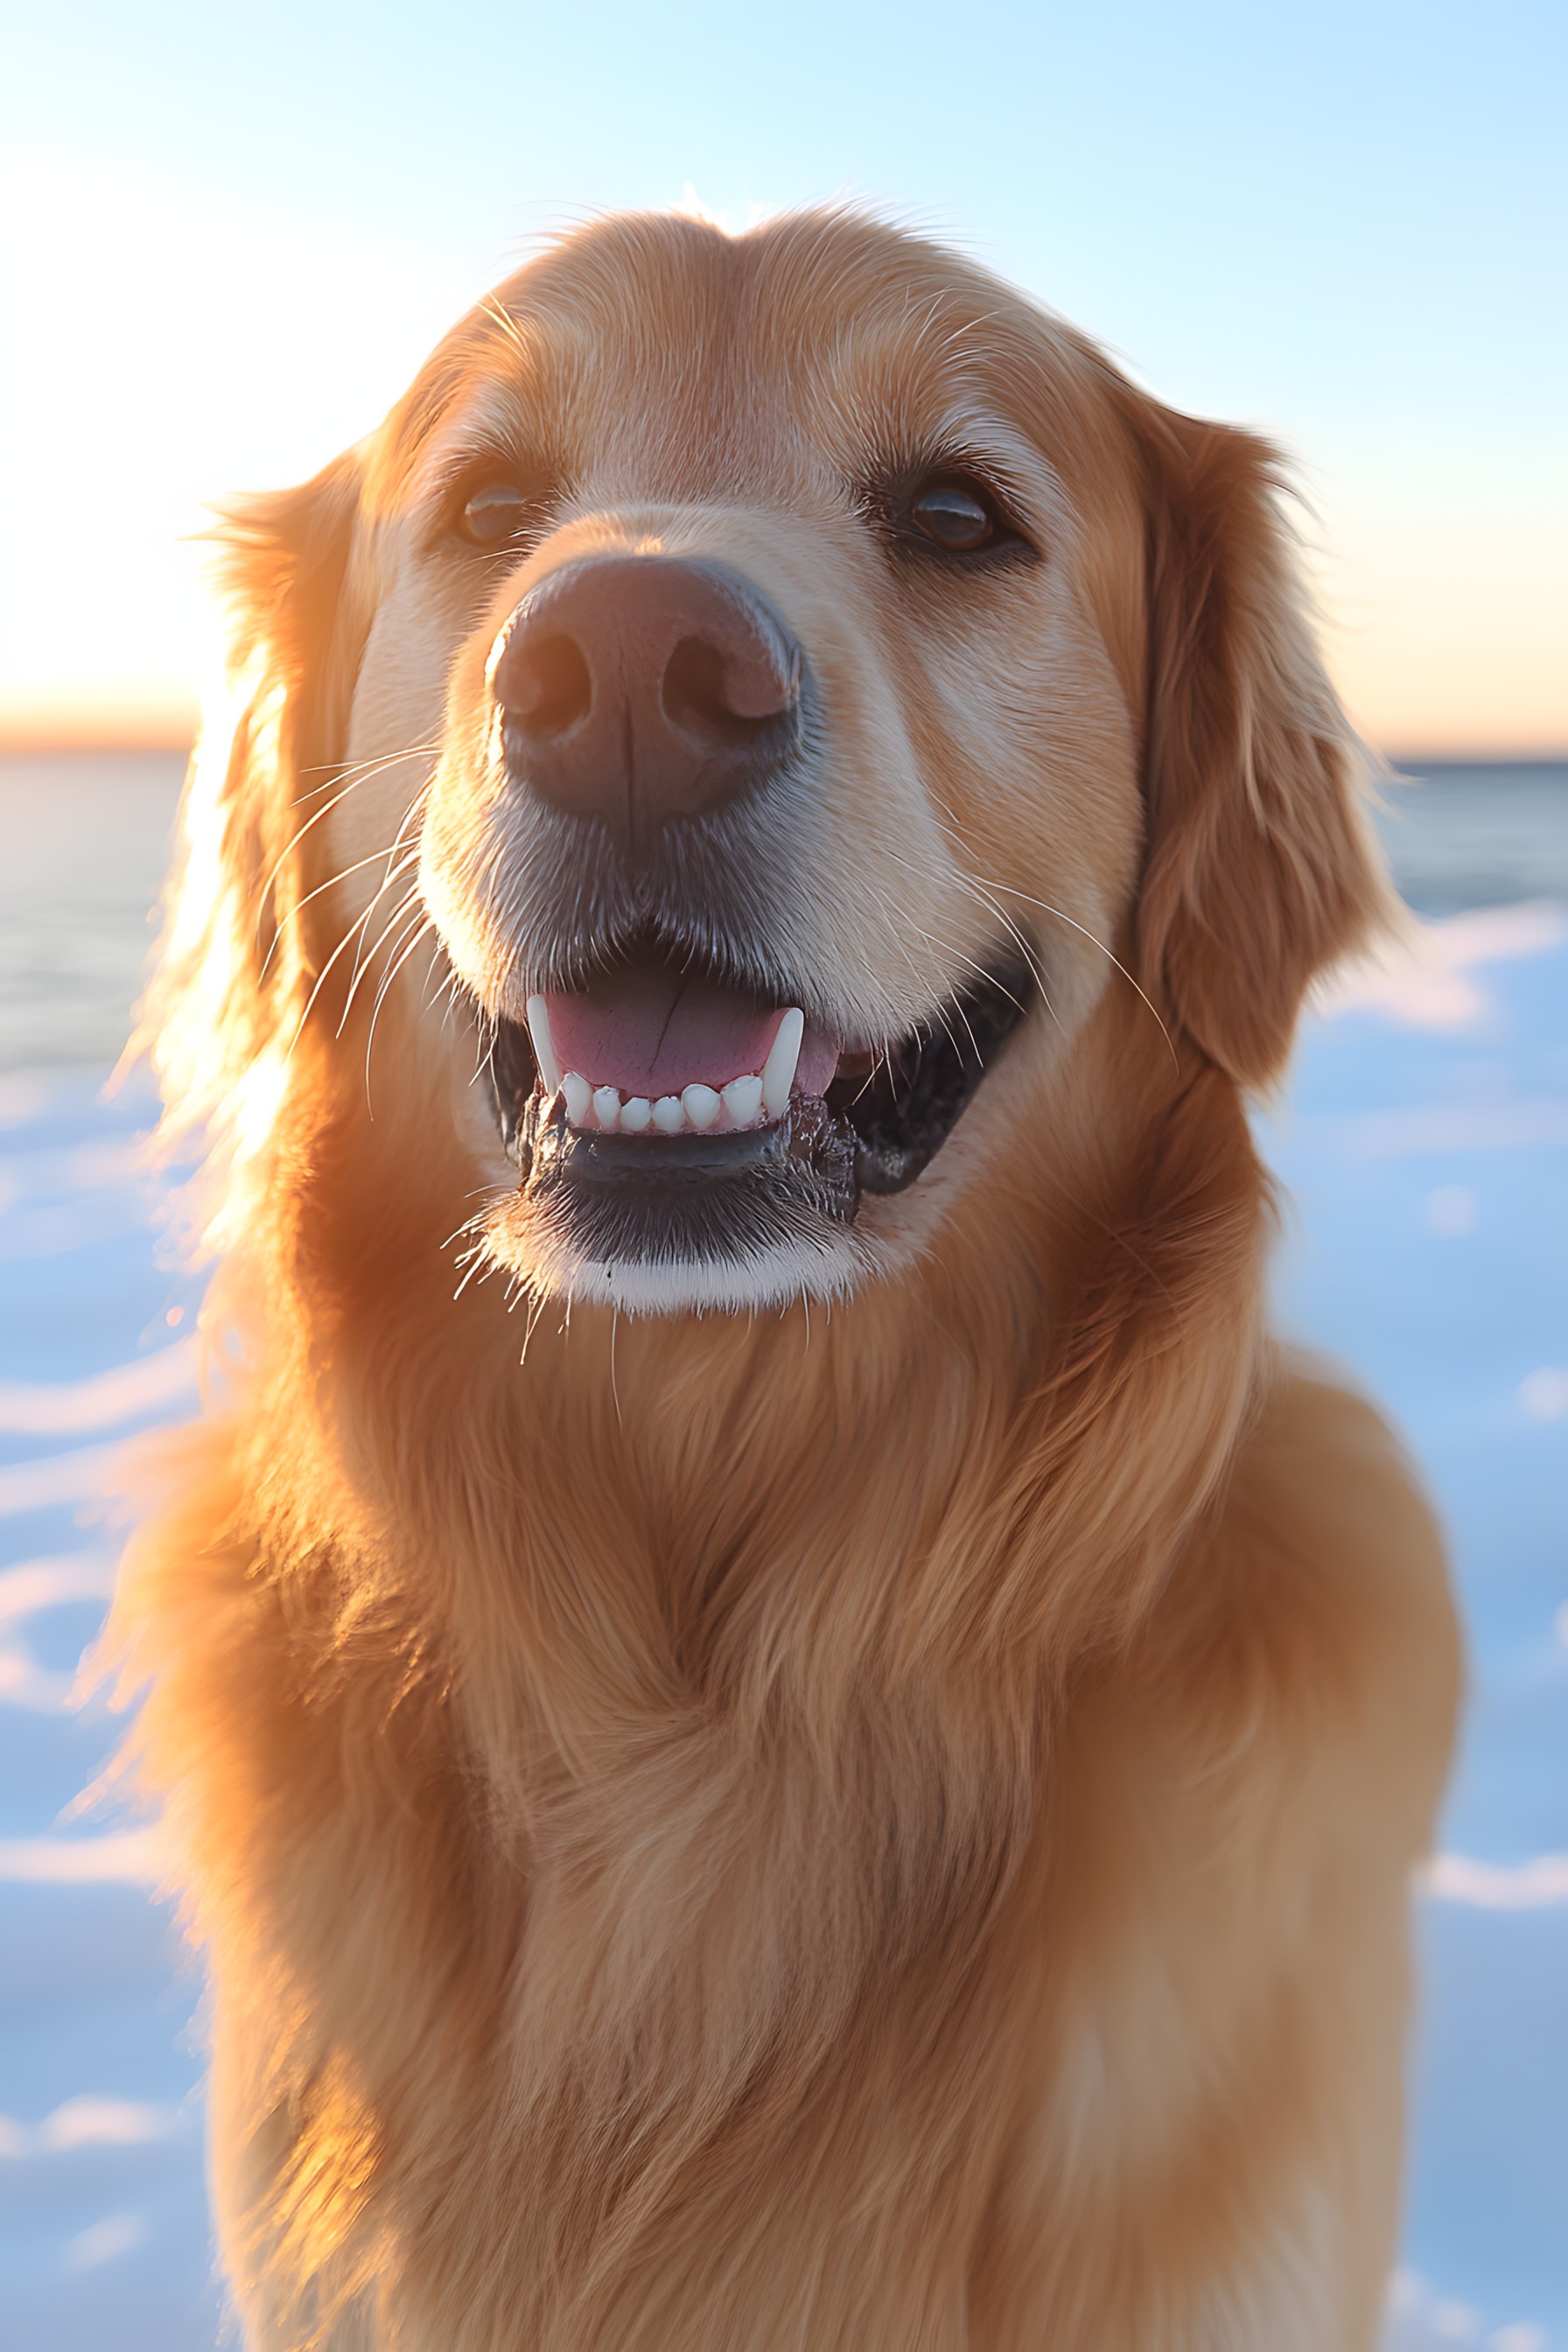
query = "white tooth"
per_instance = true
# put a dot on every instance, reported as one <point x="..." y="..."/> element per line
<point x="636" y="1113"/>
<point x="669" y="1114"/>
<point x="700" y="1105"/>
<point x="607" y="1107"/>
<point x="778" y="1070"/>
<point x="543" y="1043"/>
<point x="742" y="1099"/>
<point x="579" y="1094"/>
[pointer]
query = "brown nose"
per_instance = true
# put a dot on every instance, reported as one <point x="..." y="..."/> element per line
<point x="641" y="690"/>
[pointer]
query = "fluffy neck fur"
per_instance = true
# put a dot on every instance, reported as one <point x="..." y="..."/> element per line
<point x="702" y="1760"/>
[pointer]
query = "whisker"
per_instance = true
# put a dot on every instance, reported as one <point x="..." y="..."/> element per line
<point x="897" y="924"/>
<point x="1108" y="953"/>
<point x="1028" y="899"/>
<point x="535" y="1309"/>
<point x="1020" y="940"/>
<point x="401" y="956"/>
<point x="321" y="976"/>
<point x="945" y="949"/>
<point x="355" y="771"/>
<point x="403" y="865"/>
<point x="371" y="768"/>
<point x="362" y="963"/>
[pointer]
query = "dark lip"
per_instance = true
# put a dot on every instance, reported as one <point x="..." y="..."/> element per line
<point x="720" y="1195"/>
<point x="626" y="1199"/>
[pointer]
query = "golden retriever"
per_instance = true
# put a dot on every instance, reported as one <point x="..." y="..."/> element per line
<point x="785" y="1724"/>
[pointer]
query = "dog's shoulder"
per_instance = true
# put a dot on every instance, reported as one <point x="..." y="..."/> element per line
<point x="1325" y="1564"/>
<point x="1322" y="1482"/>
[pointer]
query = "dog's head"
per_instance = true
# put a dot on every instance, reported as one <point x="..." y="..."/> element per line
<point x="753" y="700"/>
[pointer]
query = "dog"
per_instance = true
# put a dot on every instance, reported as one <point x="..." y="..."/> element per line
<point x="783" y="1721"/>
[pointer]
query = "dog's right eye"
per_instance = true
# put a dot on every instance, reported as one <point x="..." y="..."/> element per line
<point x="955" y="517"/>
<point x="496" y="513"/>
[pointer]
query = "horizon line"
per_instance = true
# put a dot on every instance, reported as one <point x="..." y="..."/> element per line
<point x="121" y="742"/>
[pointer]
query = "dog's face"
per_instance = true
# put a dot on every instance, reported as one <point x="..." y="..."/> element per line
<point x="786" y="777"/>
<point x="745" y="652"/>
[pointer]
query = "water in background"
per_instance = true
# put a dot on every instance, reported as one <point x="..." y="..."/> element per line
<point x="85" y="843"/>
<point x="1425" y="1142"/>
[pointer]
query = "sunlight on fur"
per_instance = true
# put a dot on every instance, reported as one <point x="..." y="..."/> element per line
<point x="784" y="1723"/>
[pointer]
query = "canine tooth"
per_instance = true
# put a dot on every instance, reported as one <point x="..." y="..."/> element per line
<point x="700" y="1105"/>
<point x="636" y="1113"/>
<point x="608" y="1106"/>
<point x="579" y="1094"/>
<point x="742" y="1099"/>
<point x="778" y="1070"/>
<point x="543" y="1043"/>
<point x="669" y="1114"/>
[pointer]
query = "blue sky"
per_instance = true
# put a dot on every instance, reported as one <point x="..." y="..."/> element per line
<point x="1345" y="226"/>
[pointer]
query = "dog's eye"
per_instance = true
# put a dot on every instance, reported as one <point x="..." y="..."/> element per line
<point x="495" y="513"/>
<point x="954" y="515"/>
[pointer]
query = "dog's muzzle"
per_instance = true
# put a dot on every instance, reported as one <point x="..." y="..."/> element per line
<point x="675" y="1095"/>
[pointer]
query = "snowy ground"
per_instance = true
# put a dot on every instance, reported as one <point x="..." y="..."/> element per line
<point x="1426" y="1145"/>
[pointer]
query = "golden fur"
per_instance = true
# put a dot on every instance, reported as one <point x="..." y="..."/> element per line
<point x="873" y="1824"/>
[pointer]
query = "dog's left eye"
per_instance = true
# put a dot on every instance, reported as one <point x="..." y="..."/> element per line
<point x="955" y="515"/>
<point x="495" y="513"/>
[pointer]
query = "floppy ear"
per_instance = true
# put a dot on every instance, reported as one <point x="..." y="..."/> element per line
<point x="1260" y="866"/>
<point x="234" y="963"/>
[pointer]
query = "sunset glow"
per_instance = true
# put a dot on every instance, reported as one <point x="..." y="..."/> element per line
<point x="229" y="264"/>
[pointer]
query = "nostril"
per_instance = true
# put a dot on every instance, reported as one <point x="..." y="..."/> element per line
<point x="643" y="691"/>
<point x="544" y="686"/>
<point x="701" y="695"/>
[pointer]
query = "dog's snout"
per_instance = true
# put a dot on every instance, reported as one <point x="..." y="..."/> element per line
<point x="642" y="690"/>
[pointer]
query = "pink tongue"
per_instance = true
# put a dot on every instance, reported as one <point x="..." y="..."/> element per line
<point x="656" y="1031"/>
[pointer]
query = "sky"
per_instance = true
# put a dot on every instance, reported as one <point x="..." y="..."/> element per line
<point x="230" y="236"/>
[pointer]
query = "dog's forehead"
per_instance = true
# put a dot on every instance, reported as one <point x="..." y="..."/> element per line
<point x="663" y="347"/>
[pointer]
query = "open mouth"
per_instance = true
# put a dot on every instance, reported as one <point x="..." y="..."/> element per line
<point x="658" y="1113"/>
